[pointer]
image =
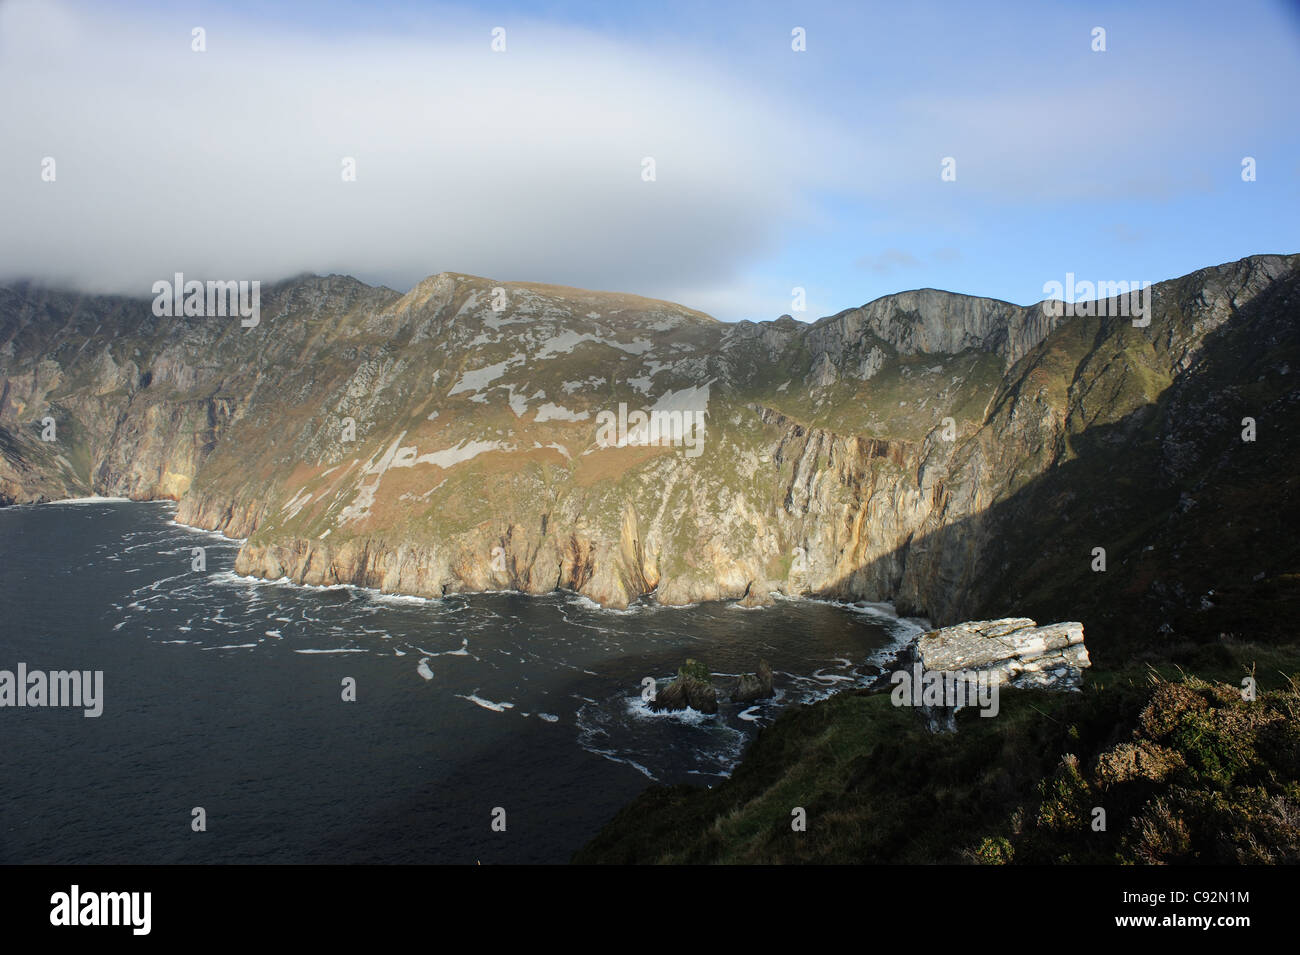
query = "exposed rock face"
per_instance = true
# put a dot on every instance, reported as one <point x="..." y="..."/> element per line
<point x="1013" y="651"/>
<point x="754" y="686"/>
<point x="692" y="689"/>
<point x="960" y="456"/>
<point x="933" y="322"/>
<point x="944" y="670"/>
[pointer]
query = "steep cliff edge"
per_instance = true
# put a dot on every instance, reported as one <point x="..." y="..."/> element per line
<point x="959" y="455"/>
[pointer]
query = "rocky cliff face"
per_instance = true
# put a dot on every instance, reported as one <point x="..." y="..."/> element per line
<point x="1015" y="651"/>
<point x="961" y="456"/>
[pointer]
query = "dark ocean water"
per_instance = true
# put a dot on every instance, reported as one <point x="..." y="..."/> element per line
<point x="226" y="693"/>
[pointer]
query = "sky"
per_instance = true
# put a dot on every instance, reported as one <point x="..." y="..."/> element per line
<point x="774" y="169"/>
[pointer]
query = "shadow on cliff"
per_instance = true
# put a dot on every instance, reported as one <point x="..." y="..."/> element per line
<point x="1191" y="561"/>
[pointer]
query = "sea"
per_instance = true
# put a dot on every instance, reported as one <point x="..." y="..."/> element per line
<point x="253" y="721"/>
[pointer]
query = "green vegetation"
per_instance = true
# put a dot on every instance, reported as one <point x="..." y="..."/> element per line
<point x="1186" y="770"/>
<point x="694" y="670"/>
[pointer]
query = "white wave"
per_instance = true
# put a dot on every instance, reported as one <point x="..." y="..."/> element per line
<point x="462" y="652"/>
<point x="901" y="629"/>
<point x="750" y="714"/>
<point x="609" y="754"/>
<point x="423" y="669"/>
<point x="378" y="596"/>
<point x="233" y="646"/>
<point x="487" y="704"/>
<point x="93" y="499"/>
<point x="338" y="650"/>
<point x="383" y="598"/>
<point x="230" y="577"/>
<point x="640" y="709"/>
<point x="586" y="603"/>
<point x="207" y="533"/>
<point x="274" y="633"/>
<point x="882" y="610"/>
<point x="549" y="717"/>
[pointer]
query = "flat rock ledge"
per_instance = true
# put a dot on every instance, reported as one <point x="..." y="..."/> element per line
<point x="1014" y="651"/>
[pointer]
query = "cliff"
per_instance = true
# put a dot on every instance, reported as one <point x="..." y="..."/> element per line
<point x="958" y="455"/>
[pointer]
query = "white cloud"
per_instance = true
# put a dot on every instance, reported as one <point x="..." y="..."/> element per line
<point x="774" y="169"/>
<point x="520" y="166"/>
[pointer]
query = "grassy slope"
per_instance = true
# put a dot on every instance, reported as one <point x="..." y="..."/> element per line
<point x="1187" y="772"/>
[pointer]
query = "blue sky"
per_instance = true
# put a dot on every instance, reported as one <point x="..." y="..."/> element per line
<point x="774" y="168"/>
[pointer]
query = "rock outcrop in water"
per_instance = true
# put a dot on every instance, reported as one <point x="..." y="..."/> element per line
<point x="754" y="686"/>
<point x="960" y="456"/>
<point x="691" y="690"/>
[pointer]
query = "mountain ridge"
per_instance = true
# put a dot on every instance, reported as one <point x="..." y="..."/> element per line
<point x="858" y="457"/>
